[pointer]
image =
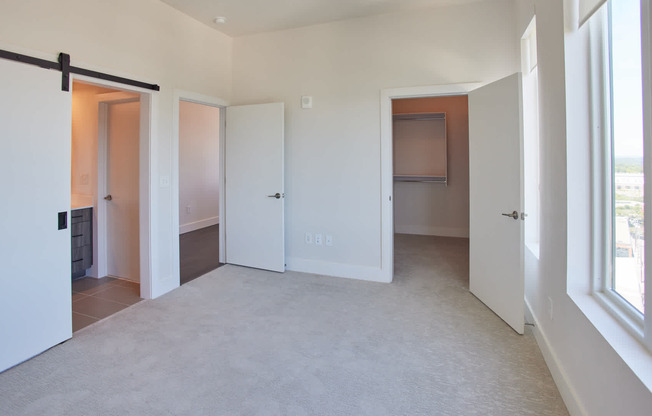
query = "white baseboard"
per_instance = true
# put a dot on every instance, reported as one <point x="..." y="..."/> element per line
<point x="373" y="274"/>
<point x="192" y="226"/>
<point x="427" y="230"/>
<point x="566" y="390"/>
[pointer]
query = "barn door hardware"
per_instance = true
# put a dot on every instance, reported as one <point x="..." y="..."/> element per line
<point x="63" y="65"/>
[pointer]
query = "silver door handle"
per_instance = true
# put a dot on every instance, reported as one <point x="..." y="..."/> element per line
<point x="514" y="215"/>
<point x="108" y="197"/>
<point x="276" y="195"/>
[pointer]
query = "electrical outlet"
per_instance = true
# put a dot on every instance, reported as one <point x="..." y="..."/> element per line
<point x="308" y="238"/>
<point x="550" y="310"/>
<point x="188" y="209"/>
<point x="329" y="240"/>
<point x="84" y="179"/>
<point x="318" y="240"/>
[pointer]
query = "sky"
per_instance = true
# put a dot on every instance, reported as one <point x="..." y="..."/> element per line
<point x="627" y="78"/>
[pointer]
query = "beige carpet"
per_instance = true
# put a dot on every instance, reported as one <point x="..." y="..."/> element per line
<point x="239" y="341"/>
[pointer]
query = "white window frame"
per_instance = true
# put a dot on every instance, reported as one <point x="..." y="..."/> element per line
<point x="532" y="178"/>
<point x="639" y="325"/>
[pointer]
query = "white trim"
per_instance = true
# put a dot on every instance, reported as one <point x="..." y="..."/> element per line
<point x="193" y="97"/>
<point x="198" y="225"/>
<point x="348" y="271"/>
<point x="430" y="230"/>
<point x="602" y="180"/>
<point x="386" y="164"/>
<point x="566" y="389"/>
<point x="628" y="348"/>
<point x="147" y="123"/>
<point x="646" y="62"/>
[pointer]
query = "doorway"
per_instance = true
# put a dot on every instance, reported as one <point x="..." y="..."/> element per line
<point x="105" y="196"/>
<point x="431" y="166"/>
<point x="431" y="175"/>
<point x="199" y="189"/>
<point x="495" y="190"/>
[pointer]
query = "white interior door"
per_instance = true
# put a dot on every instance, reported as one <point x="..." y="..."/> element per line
<point x="254" y="217"/>
<point x="35" y="136"/>
<point x="122" y="183"/>
<point x="496" y="189"/>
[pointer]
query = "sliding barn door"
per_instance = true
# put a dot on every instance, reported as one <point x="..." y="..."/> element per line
<point x="35" y="282"/>
<point x="496" y="199"/>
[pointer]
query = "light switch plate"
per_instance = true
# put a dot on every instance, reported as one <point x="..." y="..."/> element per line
<point x="306" y="101"/>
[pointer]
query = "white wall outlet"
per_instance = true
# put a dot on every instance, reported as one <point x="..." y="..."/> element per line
<point x="164" y="181"/>
<point x="329" y="240"/>
<point x="318" y="240"/>
<point x="306" y="101"/>
<point x="188" y="209"/>
<point x="308" y="238"/>
<point x="550" y="311"/>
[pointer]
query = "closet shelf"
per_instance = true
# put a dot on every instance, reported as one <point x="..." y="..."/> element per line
<point x="420" y="178"/>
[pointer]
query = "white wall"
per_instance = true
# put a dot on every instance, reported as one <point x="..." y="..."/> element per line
<point x="593" y="378"/>
<point x="84" y="139"/>
<point x="333" y="149"/>
<point x="433" y="208"/>
<point x="199" y="172"/>
<point x="142" y="39"/>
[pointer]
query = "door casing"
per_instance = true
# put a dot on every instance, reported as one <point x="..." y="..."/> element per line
<point x="386" y="273"/>
<point x="387" y="210"/>
<point x="145" y="175"/>
<point x="189" y="96"/>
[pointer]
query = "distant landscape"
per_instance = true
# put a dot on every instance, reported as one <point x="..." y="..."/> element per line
<point x="629" y="164"/>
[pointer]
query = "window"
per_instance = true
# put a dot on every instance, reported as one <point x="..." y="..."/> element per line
<point x="531" y="136"/>
<point x="619" y="151"/>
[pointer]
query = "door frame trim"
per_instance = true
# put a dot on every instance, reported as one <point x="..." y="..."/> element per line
<point x="197" y="98"/>
<point x="147" y="122"/>
<point x="386" y="161"/>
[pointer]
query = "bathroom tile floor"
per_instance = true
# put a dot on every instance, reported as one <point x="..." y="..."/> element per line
<point x="95" y="299"/>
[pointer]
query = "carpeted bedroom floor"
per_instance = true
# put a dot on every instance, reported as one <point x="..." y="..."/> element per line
<point x="240" y="341"/>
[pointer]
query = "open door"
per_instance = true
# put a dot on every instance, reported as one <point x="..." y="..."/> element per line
<point x="35" y="254"/>
<point x="496" y="198"/>
<point x="254" y="190"/>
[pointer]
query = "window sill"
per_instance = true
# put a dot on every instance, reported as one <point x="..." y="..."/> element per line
<point x="630" y="350"/>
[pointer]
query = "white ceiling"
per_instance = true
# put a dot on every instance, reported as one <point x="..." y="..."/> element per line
<point x="245" y="17"/>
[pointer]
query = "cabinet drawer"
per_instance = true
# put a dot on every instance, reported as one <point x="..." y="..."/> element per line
<point x="80" y="215"/>
<point x="81" y="234"/>
<point x="82" y="253"/>
<point x="83" y="264"/>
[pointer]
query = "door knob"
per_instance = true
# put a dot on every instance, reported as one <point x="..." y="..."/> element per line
<point x="514" y="215"/>
<point x="108" y="197"/>
<point x="276" y="195"/>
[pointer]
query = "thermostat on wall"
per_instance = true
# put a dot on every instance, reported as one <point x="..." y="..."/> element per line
<point x="306" y="101"/>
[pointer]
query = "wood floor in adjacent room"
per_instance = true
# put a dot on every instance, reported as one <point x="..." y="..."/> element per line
<point x="199" y="252"/>
<point x="240" y="341"/>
